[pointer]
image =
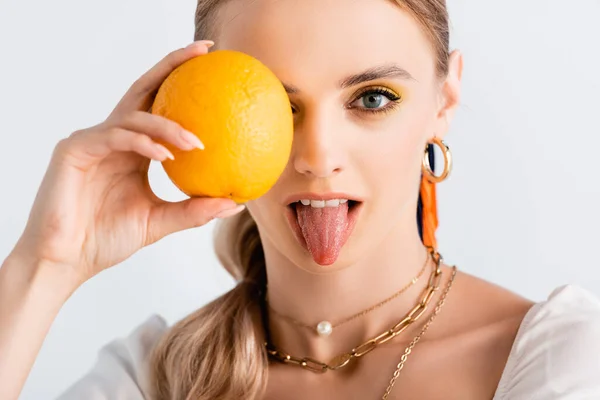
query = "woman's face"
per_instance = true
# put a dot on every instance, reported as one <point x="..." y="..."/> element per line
<point x="362" y="82"/>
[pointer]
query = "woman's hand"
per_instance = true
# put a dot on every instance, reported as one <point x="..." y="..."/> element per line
<point x="95" y="208"/>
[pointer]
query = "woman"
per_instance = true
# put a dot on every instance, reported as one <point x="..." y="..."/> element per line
<point x="345" y="239"/>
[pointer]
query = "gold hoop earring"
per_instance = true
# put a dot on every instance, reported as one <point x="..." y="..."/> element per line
<point x="427" y="171"/>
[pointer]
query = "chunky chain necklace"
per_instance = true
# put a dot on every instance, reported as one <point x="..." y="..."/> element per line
<point x="344" y="359"/>
<point x="414" y="342"/>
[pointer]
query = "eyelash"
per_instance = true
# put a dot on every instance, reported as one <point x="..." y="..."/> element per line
<point x="394" y="100"/>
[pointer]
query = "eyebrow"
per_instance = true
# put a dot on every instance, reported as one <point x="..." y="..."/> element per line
<point x="371" y="74"/>
<point x="379" y="72"/>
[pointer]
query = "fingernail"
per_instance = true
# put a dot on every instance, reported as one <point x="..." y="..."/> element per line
<point x="192" y="139"/>
<point x="207" y="43"/>
<point x="231" y="212"/>
<point x="165" y="152"/>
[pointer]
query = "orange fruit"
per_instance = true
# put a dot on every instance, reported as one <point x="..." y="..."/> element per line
<point x="241" y="112"/>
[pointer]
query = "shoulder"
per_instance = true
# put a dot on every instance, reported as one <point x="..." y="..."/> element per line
<point x="556" y="353"/>
<point x="120" y="371"/>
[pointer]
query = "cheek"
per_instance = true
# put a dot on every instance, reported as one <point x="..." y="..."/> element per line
<point x="261" y="209"/>
<point x="393" y="155"/>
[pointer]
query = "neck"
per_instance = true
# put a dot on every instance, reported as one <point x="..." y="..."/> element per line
<point x="311" y="298"/>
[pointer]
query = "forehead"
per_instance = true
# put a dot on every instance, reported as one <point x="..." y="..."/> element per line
<point x="316" y="42"/>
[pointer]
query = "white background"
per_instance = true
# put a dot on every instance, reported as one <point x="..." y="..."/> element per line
<point x="521" y="208"/>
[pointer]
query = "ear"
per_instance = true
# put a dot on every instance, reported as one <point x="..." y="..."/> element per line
<point x="449" y="94"/>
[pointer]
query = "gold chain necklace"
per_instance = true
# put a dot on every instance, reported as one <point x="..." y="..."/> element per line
<point x="325" y="328"/>
<point x="414" y="342"/>
<point x="344" y="359"/>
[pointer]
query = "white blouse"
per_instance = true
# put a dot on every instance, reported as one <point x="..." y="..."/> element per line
<point x="556" y="355"/>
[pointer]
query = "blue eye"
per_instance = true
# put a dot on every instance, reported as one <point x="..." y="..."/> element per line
<point x="375" y="100"/>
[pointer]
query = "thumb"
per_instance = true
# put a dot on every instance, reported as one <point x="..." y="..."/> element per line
<point x="166" y="218"/>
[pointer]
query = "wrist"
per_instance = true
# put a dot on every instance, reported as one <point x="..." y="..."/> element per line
<point x="44" y="278"/>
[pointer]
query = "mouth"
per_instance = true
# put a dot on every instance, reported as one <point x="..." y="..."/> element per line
<point x="323" y="226"/>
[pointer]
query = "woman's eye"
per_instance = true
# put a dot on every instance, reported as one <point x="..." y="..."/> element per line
<point x="375" y="100"/>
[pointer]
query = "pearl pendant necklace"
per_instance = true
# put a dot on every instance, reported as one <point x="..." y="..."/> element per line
<point x="324" y="328"/>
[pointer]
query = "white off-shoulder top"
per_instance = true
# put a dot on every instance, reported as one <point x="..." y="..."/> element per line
<point x="556" y="355"/>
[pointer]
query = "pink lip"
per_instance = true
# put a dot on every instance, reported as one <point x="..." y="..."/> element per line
<point x="319" y="196"/>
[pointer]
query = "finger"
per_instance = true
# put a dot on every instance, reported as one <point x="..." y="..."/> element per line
<point x="162" y="129"/>
<point x="84" y="149"/>
<point x="167" y="218"/>
<point x="140" y="95"/>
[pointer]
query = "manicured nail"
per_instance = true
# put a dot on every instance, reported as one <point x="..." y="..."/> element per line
<point x="230" y="213"/>
<point x="192" y="139"/>
<point x="207" y="43"/>
<point x="164" y="152"/>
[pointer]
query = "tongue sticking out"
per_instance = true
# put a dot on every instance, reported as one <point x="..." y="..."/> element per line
<point x="325" y="231"/>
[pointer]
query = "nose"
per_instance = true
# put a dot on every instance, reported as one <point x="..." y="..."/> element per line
<point x="317" y="150"/>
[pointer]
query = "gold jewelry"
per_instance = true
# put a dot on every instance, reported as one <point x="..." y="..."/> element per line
<point x="414" y="342"/>
<point x="426" y="166"/>
<point x="325" y="328"/>
<point x="344" y="359"/>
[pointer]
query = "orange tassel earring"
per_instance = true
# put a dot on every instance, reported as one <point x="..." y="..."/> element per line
<point x="429" y="218"/>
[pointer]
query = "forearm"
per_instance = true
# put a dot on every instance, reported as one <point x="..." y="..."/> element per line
<point x="31" y="295"/>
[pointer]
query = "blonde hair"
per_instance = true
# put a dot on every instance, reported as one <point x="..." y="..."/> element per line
<point x="217" y="352"/>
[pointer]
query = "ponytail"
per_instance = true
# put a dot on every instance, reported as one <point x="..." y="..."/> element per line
<point x="217" y="352"/>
